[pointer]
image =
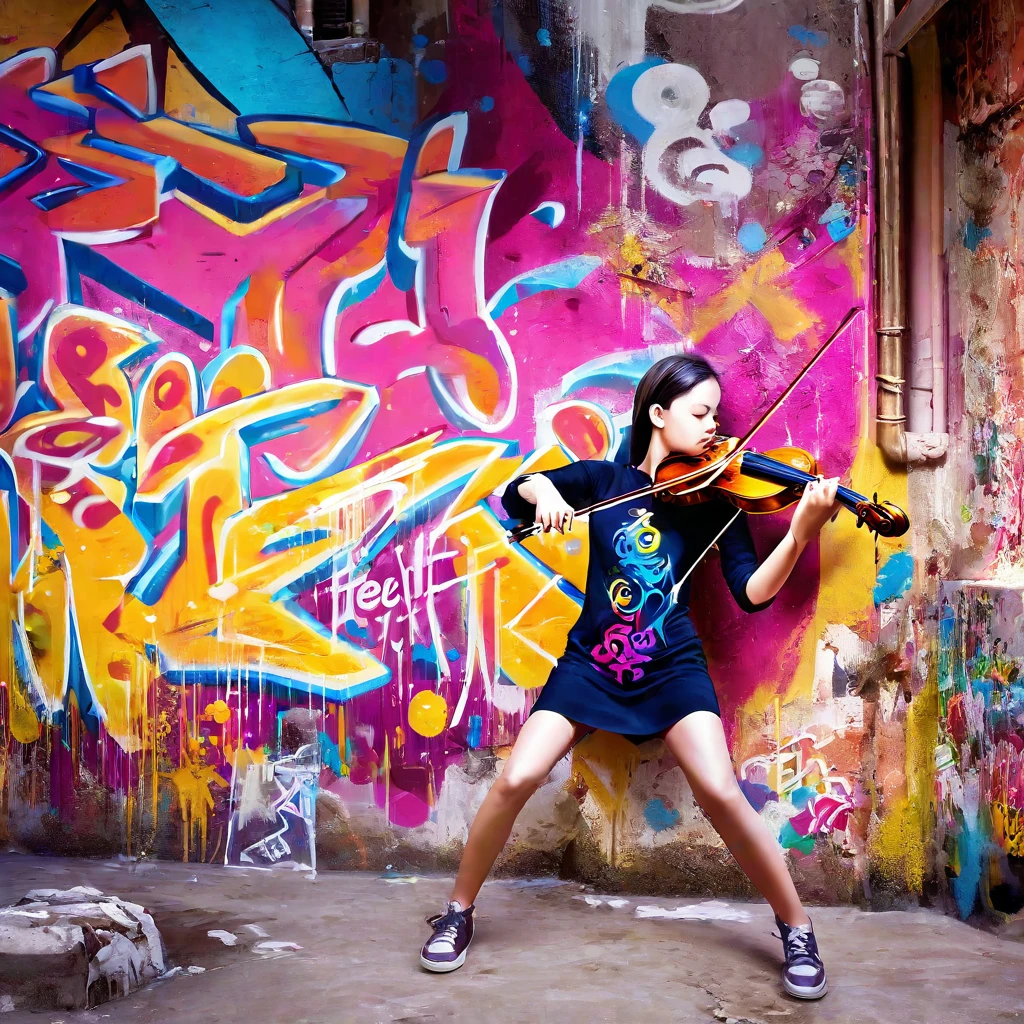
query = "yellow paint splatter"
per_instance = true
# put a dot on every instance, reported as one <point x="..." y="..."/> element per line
<point x="192" y="783"/>
<point x="428" y="713"/>
<point x="761" y="286"/>
<point x="898" y="845"/>
<point x="218" y="711"/>
<point x="606" y="763"/>
<point x="25" y="726"/>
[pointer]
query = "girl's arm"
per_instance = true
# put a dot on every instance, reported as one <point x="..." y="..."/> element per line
<point x="553" y="511"/>
<point x="817" y="505"/>
<point x="549" y="497"/>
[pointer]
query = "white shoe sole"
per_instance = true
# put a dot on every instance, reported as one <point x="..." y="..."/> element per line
<point x="806" y="993"/>
<point x="437" y="968"/>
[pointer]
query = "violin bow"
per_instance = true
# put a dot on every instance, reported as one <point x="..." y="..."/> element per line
<point x="714" y="470"/>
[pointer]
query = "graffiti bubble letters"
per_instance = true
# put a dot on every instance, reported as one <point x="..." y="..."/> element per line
<point x="683" y="161"/>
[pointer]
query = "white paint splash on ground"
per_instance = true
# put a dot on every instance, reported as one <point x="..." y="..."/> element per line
<point x="712" y="910"/>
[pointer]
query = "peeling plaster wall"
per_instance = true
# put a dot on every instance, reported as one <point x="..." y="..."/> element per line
<point x="263" y="369"/>
<point x="964" y="609"/>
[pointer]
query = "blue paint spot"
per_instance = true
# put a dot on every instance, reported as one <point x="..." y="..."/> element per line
<point x="983" y="687"/>
<point x="758" y="794"/>
<point x="807" y="36"/>
<point x="356" y="631"/>
<point x="747" y="153"/>
<point x="839" y="229"/>
<point x="549" y="213"/>
<point x="894" y="577"/>
<point x="476" y="724"/>
<point x="619" y="97"/>
<point x="424" y="652"/>
<point x="487" y="104"/>
<point x="434" y="71"/>
<point x="419" y="41"/>
<point x="974" y="236"/>
<point x="525" y="64"/>
<point x="839" y="220"/>
<point x="971" y="842"/>
<point x="330" y="755"/>
<point x="849" y="175"/>
<point x="543" y="37"/>
<point x="751" y="236"/>
<point x="452" y="654"/>
<point x="659" y="816"/>
<point x="800" y="796"/>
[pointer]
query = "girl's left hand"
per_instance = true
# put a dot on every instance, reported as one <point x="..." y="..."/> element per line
<point x="817" y="505"/>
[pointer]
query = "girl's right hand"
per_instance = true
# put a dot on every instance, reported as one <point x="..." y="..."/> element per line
<point x="553" y="511"/>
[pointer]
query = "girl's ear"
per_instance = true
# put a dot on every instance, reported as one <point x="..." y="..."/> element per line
<point x="657" y="415"/>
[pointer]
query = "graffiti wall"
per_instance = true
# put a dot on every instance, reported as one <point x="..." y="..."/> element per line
<point x="967" y="595"/>
<point x="275" y="336"/>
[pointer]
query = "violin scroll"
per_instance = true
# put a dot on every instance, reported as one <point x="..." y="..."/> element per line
<point x="882" y="517"/>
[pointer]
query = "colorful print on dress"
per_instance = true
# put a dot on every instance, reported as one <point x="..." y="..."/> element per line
<point x="641" y="596"/>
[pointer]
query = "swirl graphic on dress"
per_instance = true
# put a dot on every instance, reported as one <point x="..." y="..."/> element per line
<point x="637" y="598"/>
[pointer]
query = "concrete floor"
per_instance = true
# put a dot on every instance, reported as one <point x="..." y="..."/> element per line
<point x="543" y="952"/>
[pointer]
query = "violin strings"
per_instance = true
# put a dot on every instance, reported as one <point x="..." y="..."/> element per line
<point x="700" y="557"/>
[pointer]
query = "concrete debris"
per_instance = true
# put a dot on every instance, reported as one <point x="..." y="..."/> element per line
<point x="72" y="949"/>
<point x="276" y="946"/>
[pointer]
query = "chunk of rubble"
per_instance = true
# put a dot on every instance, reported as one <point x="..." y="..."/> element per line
<point x="72" y="949"/>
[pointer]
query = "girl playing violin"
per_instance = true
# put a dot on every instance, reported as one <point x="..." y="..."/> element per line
<point x="634" y="663"/>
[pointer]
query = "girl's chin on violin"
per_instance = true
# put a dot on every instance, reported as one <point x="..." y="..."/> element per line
<point x="701" y="447"/>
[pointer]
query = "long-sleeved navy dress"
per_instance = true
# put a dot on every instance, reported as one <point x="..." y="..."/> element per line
<point x="634" y="664"/>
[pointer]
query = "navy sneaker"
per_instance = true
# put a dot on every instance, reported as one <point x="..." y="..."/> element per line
<point x="804" y="973"/>
<point x="445" y="950"/>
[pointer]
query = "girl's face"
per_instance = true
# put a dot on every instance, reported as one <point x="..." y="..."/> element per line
<point x="689" y="424"/>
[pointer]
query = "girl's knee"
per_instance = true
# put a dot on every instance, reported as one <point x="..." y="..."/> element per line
<point x="515" y="785"/>
<point x="720" y="795"/>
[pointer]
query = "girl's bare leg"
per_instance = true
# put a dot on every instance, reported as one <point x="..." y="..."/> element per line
<point x="698" y="743"/>
<point x="543" y="741"/>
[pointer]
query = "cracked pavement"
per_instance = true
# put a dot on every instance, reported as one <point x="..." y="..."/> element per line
<point x="343" y="947"/>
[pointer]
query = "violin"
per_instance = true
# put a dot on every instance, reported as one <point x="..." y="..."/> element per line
<point x="753" y="481"/>
<point x="750" y="480"/>
<point x="765" y="482"/>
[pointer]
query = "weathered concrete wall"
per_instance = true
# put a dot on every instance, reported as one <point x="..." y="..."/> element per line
<point x="263" y="370"/>
<point x="966" y="618"/>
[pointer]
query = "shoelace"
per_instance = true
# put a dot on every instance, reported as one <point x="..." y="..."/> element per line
<point x="798" y="948"/>
<point x="446" y="926"/>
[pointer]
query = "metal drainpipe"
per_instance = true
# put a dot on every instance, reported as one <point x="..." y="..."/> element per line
<point x="304" y="18"/>
<point x="361" y="17"/>
<point x="891" y="317"/>
<point x="890" y="418"/>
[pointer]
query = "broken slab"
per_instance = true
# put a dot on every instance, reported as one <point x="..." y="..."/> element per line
<point x="72" y="949"/>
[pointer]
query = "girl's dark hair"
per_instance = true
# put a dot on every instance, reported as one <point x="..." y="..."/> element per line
<point x="665" y="381"/>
